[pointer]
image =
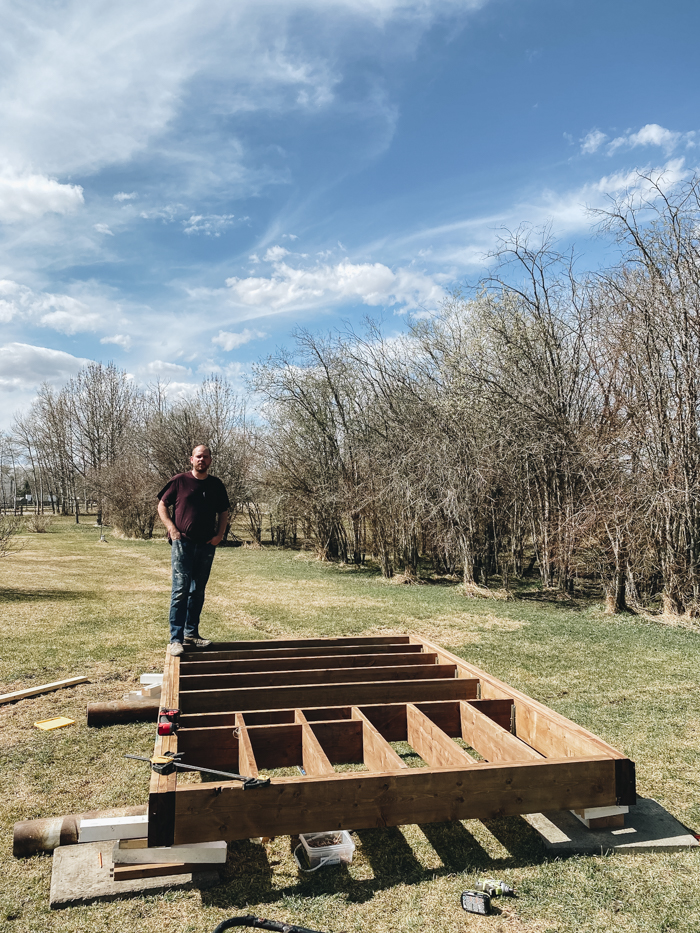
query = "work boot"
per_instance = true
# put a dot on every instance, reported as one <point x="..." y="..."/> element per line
<point x="175" y="649"/>
<point x="197" y="642"/>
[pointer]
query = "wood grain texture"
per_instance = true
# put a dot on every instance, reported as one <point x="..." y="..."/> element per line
<point x="363" y="800"/>
<point x="314" y="760"/>
<point x="490" y="740"/>
<point x="161" y="796"/>
<point x="378" y="755"/>
<point x="215" y="654"/>
<point x="303" y="696"/>
<point x="338" y="675"/>
<point x="44" y="688"/>
<point x="340" y="741"/>
<point x="247" y="766"/>
<point x="434" y="746"/>
<point x="319" y="662"/>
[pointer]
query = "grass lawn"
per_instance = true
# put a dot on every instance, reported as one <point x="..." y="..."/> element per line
<point x="70" y="605"/>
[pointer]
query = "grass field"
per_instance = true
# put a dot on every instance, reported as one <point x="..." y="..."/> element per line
<point x="70" y="604"/>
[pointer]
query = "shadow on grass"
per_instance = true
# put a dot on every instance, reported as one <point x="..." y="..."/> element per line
<point x="248" y="875"/>
<point x="14" y="595"/>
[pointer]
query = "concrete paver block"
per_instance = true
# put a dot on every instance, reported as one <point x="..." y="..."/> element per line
<point x="648" y="828"/>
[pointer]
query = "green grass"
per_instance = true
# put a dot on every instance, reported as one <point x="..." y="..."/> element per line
<point x="72" y="605"/>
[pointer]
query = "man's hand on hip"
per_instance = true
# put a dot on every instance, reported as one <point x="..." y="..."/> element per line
<point x="216" y="540"/>
<point x="174" y="534"/>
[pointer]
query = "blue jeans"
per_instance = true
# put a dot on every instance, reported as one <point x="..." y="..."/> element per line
<point x="191" y="564"/>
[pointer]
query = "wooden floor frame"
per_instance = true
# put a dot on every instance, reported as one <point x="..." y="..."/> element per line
<point x="316" y="703"/>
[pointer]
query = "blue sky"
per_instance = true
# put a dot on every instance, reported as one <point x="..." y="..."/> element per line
<point x="184" y="183"/>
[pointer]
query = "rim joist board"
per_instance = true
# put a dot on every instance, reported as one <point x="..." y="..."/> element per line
<point x="317" y="705"/>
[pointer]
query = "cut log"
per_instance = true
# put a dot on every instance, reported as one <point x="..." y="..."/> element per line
<point x="117" y="712"/>
<point x="32" y="836"/>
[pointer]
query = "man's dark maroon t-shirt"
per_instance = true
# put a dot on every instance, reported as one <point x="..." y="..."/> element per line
<point x="196" y="504"/>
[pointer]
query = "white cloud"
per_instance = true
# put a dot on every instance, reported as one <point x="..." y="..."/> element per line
<point x="121" y="340"/>
<point x="592" y="141"/>
<point x="345" y="282"/>
<point x="24" y="366"/>
<point x="161" y="368"/>
<point x="103" y="228"/>
<point x="125" y="196"/>
<point x="60" y="312"/>
<point x="651" y="135"/>
<point x="26" y="196"/>
<point x="274" y="253"/>
<point x="209" y="224"/>
<point x="231" y="341"/>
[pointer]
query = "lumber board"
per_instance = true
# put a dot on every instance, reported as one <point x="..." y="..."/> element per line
<point x="161" y="797"/>
<point x="298" y="644"/>
<point x="315" y="762"/>
<point x="490" y="740"/>
<point x="137" y="852"/>
<point x="378" y="755"/>
<point x="446" y="716"/>
<point x="44" y="688"/>
<point x="155" y="870"/>
<point x="317" y="662"/>
<point x="341" y="741"/>
<point x="433" y="745"/>
<point x="303" y="696"/>
<point x="415" y="795"/>
<point x="545" y="730"/>
<point x="389" y="719"/>
<point x="211" y="747"/>
<point x="213" y="654"/>
<point x="276" y="746"/>
<point x="339" y="675"/>
<point x="500" y="711"/>
<point x="247" y="764"/>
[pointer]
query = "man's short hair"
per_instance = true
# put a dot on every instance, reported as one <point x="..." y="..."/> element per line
<point x="205" y="446"/>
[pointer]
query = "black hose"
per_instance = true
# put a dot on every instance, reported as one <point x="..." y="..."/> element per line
<point x="250" y="921"/>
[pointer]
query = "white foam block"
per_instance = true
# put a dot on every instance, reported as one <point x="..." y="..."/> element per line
<point x="151" y="679"/>
<point x="116" y="827"/>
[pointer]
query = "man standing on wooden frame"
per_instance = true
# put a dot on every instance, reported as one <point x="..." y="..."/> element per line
<point x="200" y="507"/>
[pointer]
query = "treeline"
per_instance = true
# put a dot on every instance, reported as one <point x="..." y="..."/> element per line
<point x="545" y="424"/>
<point x="103" y="443"/>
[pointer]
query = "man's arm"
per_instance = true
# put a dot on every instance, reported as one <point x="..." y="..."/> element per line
<point x="219" y="536"/>
<point x="164" y="516"/>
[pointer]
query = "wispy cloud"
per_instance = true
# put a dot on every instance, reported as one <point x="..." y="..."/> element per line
<point x="125" y="196"/>
<point x="652" y="134"/>
<point x="208" y="224"/>
<point x="231" y="341"/>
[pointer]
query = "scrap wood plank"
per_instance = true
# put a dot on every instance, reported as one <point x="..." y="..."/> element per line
<point x="363" y="800"/>
<point x="44" y="688"/>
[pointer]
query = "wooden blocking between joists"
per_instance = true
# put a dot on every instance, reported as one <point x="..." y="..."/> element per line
<point x="433" y="745"/>
<point x="377" y="754"/>
<point x="314" y="759"/>
<point x="489" y="739"/>
<point x="247" y="764"/>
